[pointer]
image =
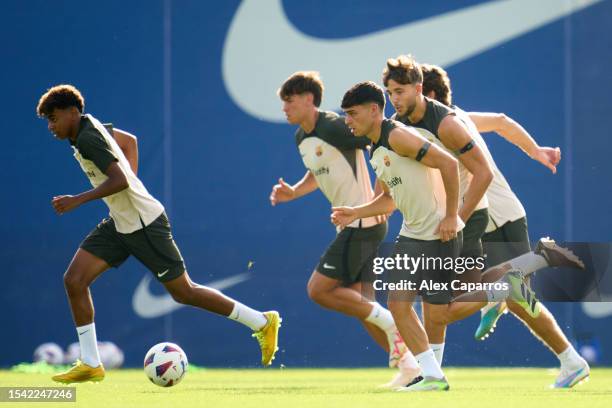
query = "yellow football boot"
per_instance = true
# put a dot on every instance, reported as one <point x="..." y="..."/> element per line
<point x="267" y="337"/>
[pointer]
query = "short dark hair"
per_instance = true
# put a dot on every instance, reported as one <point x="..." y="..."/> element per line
<point x="302" y="82"/>
<point x="61" y="97"/>
<point x="436" y="79"/>
<point x="403" y="70"/>
<point x="364" y="92"/>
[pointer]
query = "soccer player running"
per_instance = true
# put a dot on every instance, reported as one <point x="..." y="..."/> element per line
<point x="422" y="180"/>
<point x="336" y="165"/>
<point x="507" y="234"/>
<point x="402" y="78"/>
<point x="137" y="226"/>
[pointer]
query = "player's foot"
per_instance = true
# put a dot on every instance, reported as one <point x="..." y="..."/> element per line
<point x="404" y="377"/>
<point x="556" y="255"/>
<point x="522" y="294"/>
<point x="569" y="378"/>
<point x="427" y="384"/>
<point x="80" y="372"/>
<point x="267" y="337"/>
<point x="397" y="348"/>
<point x="489" y="318"/>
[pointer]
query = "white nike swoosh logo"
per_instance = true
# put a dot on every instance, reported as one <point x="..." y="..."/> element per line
<point x="147" y="305"/>
<point x="261" y="40"/>
<point x="326" y="266"/>
<point x="159" y="275"/>
<point x="598" y="310"/>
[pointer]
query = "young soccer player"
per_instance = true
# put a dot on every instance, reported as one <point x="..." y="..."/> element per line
<point x="336" y="165"/>
<point x="137" y="226"/>
<point x="421" y="179"/>
<point x="507" y="234"/>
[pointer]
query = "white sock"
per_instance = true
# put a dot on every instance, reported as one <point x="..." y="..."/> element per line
<point x="408" y="361"/>
<point x="381" y="318"/>
<point x="529" y="263"/>
<point x="570" y="358"/>
<point x="438" y="350"/>
<point x="247" y="316"/>
<point x="89" y="345"/>
<point x="429" y="365"/>
<point x="497" y="295"/>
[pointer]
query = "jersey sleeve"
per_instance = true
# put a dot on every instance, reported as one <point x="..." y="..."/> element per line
<point x="94" y="147"/>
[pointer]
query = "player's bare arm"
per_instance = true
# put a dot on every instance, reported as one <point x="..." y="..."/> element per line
<point x="381" y="204"/>
<point x="283" y="192"/>
<point x="128" y="143"/>
<point x="116" y="182"/>
<point x="455" y="136"/>
<point x="409" y="143"/>
<point x="516" y="134"/>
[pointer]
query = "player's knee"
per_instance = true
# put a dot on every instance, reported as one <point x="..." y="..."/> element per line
<point x="315" y="294"/>
<point x="73" y="283"/>
<point x="436" y="318"/>
<point x="184" y="296"/>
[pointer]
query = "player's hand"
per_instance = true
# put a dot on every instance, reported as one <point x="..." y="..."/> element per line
<point x="64" y="203"/>
<point x="549" y="157"/>
<point x="343" y="216"/>
<point x="281" y="192"/>
<point x="447" y="229"/>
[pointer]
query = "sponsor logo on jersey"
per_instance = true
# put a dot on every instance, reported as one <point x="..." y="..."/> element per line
<point x="394" y="181"/>
<point x="321" y="170"/>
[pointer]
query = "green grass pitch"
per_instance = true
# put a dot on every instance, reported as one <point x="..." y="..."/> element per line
<point x="318" y="388"/>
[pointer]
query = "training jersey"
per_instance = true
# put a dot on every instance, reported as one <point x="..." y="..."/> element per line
<point x="417" y="190"/>
<point x="95" y="149"/>
<point x="428" y="126"/>
<point x="504" y="205"/>
<point x="336" y="159"/>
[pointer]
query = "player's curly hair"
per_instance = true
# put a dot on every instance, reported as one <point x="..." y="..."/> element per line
<point x="60" y="97"/>
<point x="436" y="79"/>
<point x="364" y="92"/>
<point x="403" y="70"/>
<point x="302" y="82"/>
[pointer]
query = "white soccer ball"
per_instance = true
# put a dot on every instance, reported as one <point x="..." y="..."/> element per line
<point x="165" y="364"/>
<point x="52" y="353"/>
<point x="110" y="354"/>
<point x="73" y="353"/>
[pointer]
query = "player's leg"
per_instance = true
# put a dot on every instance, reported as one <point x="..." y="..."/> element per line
<point x="100" y="250"/>
<point x="335" y="285"/>
<point x="513" y="239"/>
<point x="330" y="293"/>
<point x="400" y="304"/>
<point x="154" y="246"/>
<point x="378" y="334"/>
<point x="436" y="332"/>
<point x="573" y="367"/>
<point x="82" y="271"/>
<point x="391" y="341"/>
<point x="470" y="248"/>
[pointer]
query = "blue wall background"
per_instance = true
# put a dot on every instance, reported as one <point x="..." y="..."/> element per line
<point x="154" y="68"/>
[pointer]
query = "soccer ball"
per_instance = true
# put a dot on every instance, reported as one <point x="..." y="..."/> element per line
<point x="110" y="354"/>
<point x="73" y="352"/>
<point x="165" y="364"/>
<point x="52" y="353"/>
